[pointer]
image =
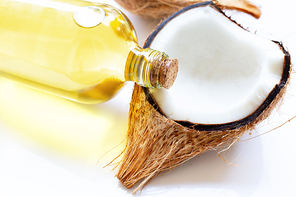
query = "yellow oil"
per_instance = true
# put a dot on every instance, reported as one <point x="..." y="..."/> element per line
<point x="42" y="46"/>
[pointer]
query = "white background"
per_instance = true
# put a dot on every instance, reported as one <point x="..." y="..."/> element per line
<point x="51" y="147"/>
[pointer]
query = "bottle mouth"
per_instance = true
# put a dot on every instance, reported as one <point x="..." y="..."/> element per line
<point x="144" y="66"/>
<point x="157" y="62"/>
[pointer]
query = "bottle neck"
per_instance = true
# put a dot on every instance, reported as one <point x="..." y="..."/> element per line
<point x="143" y="66"/>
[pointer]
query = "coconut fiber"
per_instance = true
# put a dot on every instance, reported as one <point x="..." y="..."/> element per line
<point x="159" y="9"/>
<point x="156" y="144"/>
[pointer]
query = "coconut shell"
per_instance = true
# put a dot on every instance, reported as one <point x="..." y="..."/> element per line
<point x="159" y="9"/>
<point x="156" y="144"/>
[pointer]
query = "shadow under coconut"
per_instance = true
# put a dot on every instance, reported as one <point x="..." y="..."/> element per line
<point x="207" y="174"/>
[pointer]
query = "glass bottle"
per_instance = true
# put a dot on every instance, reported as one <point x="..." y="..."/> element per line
<point x="79" y="50"/>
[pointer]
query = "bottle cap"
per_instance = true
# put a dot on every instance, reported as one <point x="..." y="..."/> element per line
<point x="168" y="72"/>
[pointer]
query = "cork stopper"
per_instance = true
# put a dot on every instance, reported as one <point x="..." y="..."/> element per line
<point x="168" y="72"/>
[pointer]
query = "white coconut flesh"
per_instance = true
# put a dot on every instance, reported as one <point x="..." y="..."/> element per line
<point x="225" y="72"/>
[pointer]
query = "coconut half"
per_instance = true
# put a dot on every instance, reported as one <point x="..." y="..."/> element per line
<point x="228" y="80"/>
<point x="225" y="73"/>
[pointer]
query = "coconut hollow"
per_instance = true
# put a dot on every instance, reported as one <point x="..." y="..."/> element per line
<point x="157" y="9"/>
<point x="157" y="141"/>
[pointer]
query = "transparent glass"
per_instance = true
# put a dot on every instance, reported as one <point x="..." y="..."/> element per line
<point x="75" y="49"/>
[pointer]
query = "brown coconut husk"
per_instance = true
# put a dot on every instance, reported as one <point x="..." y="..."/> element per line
<point x="159" y="9"/>
<point x="156" y="144"/>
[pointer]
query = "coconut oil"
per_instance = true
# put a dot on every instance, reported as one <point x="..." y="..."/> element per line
<point x="75" y="49"/>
